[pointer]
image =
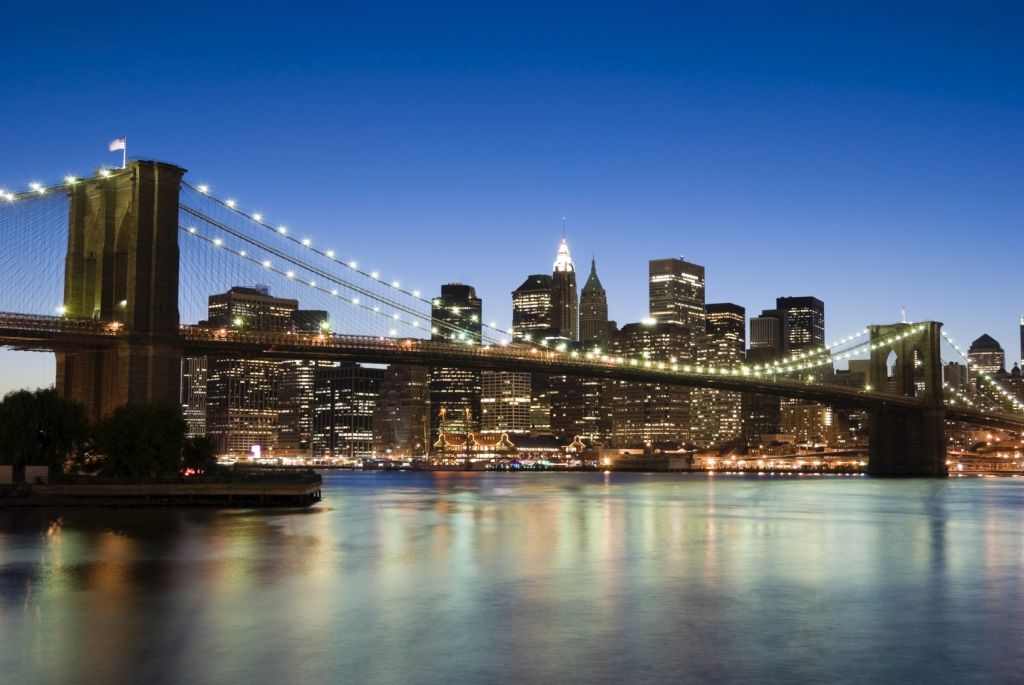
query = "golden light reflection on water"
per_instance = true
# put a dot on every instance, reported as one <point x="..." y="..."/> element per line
<point x="457" y="577"/>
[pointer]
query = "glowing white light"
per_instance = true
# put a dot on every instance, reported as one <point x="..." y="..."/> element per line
<point x="307" y="242"/>
<point x="241" y="253"/>
<point x="334" y="292"/>
<point x="330" y="254"/>
<point x="266" y="263"/>
<point x="395" y="284"/>
<point x="415" y="293"/>
<point x="352" y="265"/>
<point x="62" y="310"/>
<point x="393" y="332"/>
<point x="355" y="300"/>
<point x="282" y="230"/>
<point x="35" y="186"/>
<point x="415" y="324"/>
<point x="493" y="324"/>
<point x="104" y="173"/>
<point x="312" y="284"/>
<point x="218" y="242"/>
<point x="70" y="179"/>
<point x="376" y="309"/>
<point x="192" y="229"/>
<point x="290" y="274"/>
<point x="230" y="203"/>
<point x="395" y="317"/>
<point x="257" y="216"/>
<point x="374" y="275"/>
<point x="203" y="188"/>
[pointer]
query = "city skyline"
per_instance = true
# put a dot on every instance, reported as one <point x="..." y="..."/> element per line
<point x="856" y="169"/>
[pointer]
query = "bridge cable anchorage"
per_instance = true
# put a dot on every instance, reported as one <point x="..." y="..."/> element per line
<point x="351" y="265"/>
<point x="992" y="383"/>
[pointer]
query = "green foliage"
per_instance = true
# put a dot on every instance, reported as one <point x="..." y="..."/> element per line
<point x="40" y="428"/>
<point x="140" y="440"/>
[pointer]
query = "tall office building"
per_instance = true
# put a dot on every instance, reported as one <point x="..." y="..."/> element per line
<point x="986" y="355"/>
<point x="595" y="328"/>
<point x="676" y="293"/>
<point x="768" y="340"/>
<point x="805" y="329"/>
<point x="295" y="389"/>
<point x="564" y="301"/>
<point x="401" y="423"/>
<point x="242" y="394"/>
<point x="533" y="310"/>
<point x="505" y="402"/>
<point x="716" y="415"/>
<point x="645" y="413"/>
<point x="805" y="321"/>
<point x="345" y="397"/>
<point x="455" y="393"/>
<point x="193" y="395"/>
<point x="578" y="408"/>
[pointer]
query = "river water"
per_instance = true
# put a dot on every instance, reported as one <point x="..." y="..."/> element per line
<point x="529" y="578"/>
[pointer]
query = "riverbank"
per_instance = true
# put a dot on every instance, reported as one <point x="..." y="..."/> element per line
<point x="252" y="490"/>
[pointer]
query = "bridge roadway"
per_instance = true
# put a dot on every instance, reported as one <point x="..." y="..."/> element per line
<point x="47" y="333"/>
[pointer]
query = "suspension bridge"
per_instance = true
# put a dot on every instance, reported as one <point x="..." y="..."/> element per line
<point x="111" y="274"/>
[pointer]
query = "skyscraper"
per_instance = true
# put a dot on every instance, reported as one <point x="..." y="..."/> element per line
<point x="676" y="293"/>
<point x="986" y="355"/>
<point x="564" y="301"/>
<point x="769" y="332"/>
<point x="345" y="397"/>
<point x="193" y="394"/>
<point x="455" y="393"/>
<point x="805" y="321"/>
<point x="401" y="422"/>
<point x="532" y="309"/>
<point x="242" y="394"/>
<point x="295" y="389"/>
<point x="505" y="402"/>
<point x="594" y="326"/>
<point x="716" y="414"/>
<point x="805" y="329"/>
<point x="642" y="413"/>
<point x="768" y="340"/>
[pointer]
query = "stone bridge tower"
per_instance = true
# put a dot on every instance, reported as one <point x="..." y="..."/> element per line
<point x="122" y="267"/>
<point x="908" y="442"/>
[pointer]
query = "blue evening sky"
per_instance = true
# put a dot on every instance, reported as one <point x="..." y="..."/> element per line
<point x="871" y="154"/>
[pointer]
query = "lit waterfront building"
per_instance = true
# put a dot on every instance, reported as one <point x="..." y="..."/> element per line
<point x="986" y="355"/>
<point x="455" y="393"/>
<point x="193" y="395"/>
<point x="564" y="301"/>
<point x="242" y="394"/>
<point x="716" y="414"/>
<point x="768" y="339"/>
<point x="401" y="423"/>
<point x="676" y="293"/>
<point x="640" y="414"/>
<point x="578" y="408"/>
<point x="505" y="402"/>
<point x="345" y="398"/>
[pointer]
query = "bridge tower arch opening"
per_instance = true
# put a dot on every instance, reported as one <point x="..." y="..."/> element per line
<point x="122" y="267"/>
<point x="907" y="442"/>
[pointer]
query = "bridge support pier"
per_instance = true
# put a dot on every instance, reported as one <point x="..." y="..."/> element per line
<point x="122" y="268"/>
<point x="907" y="442"/>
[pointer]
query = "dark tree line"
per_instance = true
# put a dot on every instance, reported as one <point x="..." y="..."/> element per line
<point x="40" y="428"/>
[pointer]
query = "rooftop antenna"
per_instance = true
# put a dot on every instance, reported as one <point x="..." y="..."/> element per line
<point x="563" y="228"/>
<point x="903" y="313"/>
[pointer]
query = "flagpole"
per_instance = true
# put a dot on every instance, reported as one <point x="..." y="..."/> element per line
<point x="124" y="153"/>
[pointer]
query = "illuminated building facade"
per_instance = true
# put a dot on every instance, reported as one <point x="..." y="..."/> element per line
<point x="986" y="355"/>
<point x="401" y="423"/>
<point x="505" y="402"/>
<point x="533" y="310"/>
<point x="564" y="300"/>
<point x="640" y="414"/>
<point x="805" y="329"/>
<point x="676" y="293"/>
<point x="242" y="394"/>
<point x="762" y="413"/>
<point x="716" y="415"/>
<point x="345" y="398"/>
<point x="193" y="395"/>
<point x="455" y="393"/>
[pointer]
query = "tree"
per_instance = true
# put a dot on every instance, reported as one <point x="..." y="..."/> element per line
<point x="199" y="452"/>
<point x="140" y="440"/>
<point x="40" y="428"/>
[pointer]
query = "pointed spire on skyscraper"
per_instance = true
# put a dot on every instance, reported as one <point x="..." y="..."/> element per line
<point x="563" y="262"/>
